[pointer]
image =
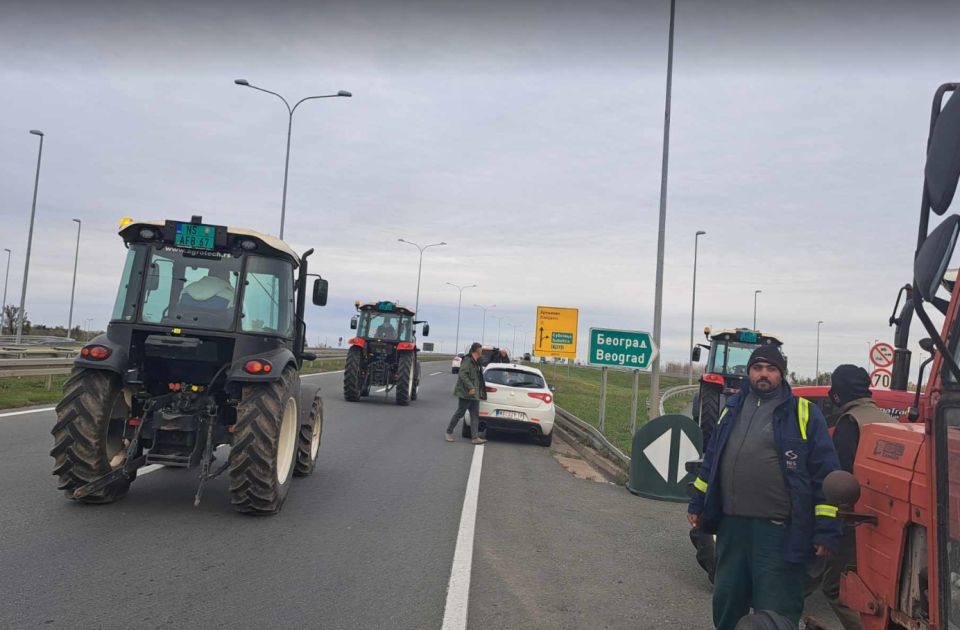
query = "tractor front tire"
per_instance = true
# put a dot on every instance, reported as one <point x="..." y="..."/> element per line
<point x="88" y="435"/>
<point x="264" y="450"/>
<point x="308" y="442"/>
<point x="405" y="378"/>
<point x="353" y="375"/>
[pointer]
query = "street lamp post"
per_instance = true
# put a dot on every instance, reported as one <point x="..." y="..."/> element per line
<point x="459" y="302"/>
<point x="6" y="281"/>
<point x="817" y="373"/>
<point x="73" y="288"/>
<point x="499" y="319"/>
<point x="755" y="294"/>
<point x="693" y="305"/>
<point x="416" y="308"/>
<point x="26" y="264"/>
<point x="483" y="328"/>
<point x="290" y="110"/>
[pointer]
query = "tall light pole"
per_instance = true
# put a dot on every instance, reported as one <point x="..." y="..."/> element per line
<point x="290" y="110"/>
<point x="483" y="328"/>
<point x="416" y="308"/>
<point x="693" y="305"/>
<point x="73" y="288"/>
<point x="6" y="281"/>
<point x="499" y="319"/>
<point x="755" y="294"/>
<point x="86" y="326"/>
<point x="816" y="380"/>
<point x="513" y="347"/>
<point x="26" y="264"/>
<point x="658" y="299"/>
<point x="459" y="302"/>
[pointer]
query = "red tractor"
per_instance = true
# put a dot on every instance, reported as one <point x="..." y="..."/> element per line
<point x="906" y="493"/>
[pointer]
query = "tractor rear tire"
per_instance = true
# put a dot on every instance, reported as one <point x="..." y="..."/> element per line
<point x="709" y="409"/>
<point x="88" y="435"/>
<point x="264" y="449"/>
<point x="405" y="378"/>
<point x="353" y="375"/>
<point x="415" y="393"/>
<point x="308" y="442"/>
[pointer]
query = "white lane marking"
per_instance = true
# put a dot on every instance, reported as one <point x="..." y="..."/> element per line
<point x="381" y="390"/>
<point x="320" y="374"/>
<point x="144" y="470"/>
<point x="20" y="413"/>
<point x="435" y="373"/>
<point x="458" y="589"/>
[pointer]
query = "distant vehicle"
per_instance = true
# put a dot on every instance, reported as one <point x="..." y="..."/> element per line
<point x="518" y="401"/>
<point x="455" y="364"/>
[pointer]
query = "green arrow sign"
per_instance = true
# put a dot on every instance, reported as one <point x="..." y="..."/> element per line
<point x="661" y="449"/>
<point x="631" y="349"/>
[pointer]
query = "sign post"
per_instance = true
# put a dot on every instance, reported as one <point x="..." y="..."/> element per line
<point x="621" y="349"/>
<point x="603" y="398"/>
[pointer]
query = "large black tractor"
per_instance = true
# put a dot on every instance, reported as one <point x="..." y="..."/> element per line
<point x="384" y="352"/>
<point x="203" y="349"/>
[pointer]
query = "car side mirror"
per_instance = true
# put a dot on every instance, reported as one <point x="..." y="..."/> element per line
<point x="320" y="288"/>
<point x="353" y="323"/>
<point x="426" y="330"/>
<point x="696" y="354"/>
<point x="934" y="256"/>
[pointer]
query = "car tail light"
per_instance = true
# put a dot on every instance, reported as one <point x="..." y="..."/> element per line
<point x="406" y="345"/>
<point x="547" y="398"/>
<point x="357" y="341"/>
<point x="95" y="352"/>
<point x="257" y="366"/>
<point x="490" y="390"/>
<point x="713" y="378"/>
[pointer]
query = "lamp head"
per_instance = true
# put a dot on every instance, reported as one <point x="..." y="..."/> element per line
<point x="241" y="82"/>
<point x="344" y="93"/>
<point x="36" y="132"/>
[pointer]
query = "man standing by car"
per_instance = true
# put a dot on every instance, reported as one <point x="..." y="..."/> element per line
<point x="470" y="389"/>
<point x="759" y="489"/>
<point x="850" y="392"/>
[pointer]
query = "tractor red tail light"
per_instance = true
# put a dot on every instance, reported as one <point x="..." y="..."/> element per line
<point x="257" y="366"/>
<point x="547" y="398"/>
<point x="406" y="345"/>
<point x="490" y="390"/>
<point x="716" y="379"/>
<point x="357" y="341"/>
<point x="95" y="352"/>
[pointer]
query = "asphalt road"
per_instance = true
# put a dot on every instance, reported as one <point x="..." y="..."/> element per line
<point x="366" y="542"/>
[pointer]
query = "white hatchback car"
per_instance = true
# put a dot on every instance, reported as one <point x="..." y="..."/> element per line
<point x="455" y="364"/>
<point x="518" y="400"/>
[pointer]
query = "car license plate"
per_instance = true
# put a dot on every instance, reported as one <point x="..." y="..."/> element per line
<point x="195" y="236"/>
<point x="513" y="415"/>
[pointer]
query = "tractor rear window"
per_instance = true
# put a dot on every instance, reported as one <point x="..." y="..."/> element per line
<point x="513" y="378"/>
<point x="386" y="326"/>
<point x="730" y="357"/>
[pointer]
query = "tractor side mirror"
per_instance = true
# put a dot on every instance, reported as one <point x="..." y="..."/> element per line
<point x="320" y="289"/>
<point x="841" y="488"/>
<point x="934" y="256"/>
<point x="943" y="157"/>
<point x="696" y="354"/>
<point x="353" y="323"/>
<point x="927" y="345"/>
<point x="426" y="330"/>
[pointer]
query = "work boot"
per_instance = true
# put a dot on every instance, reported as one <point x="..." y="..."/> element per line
<point x="449" y="437"/>
<point x="477" y="440"/>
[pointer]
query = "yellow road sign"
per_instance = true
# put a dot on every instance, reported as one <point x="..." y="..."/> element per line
<point x="556" y="332"/>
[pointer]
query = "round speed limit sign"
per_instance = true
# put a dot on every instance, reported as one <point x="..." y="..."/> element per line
<point x="881" y="379"/>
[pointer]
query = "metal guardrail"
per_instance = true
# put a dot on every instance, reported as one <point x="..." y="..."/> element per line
<point x="590" y="435"/>
<point x="675" y="391"/>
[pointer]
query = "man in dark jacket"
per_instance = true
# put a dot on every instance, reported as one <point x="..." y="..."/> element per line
<point x="470" y="390"/>
<point x="850" y="392"/>
<point x="759" y="489"/>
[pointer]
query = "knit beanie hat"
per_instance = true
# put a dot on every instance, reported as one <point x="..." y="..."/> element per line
<point x="771" y="354"/>
<point x="849" y="382"/>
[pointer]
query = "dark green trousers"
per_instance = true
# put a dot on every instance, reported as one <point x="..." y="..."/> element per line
<point x="751" y="572"/>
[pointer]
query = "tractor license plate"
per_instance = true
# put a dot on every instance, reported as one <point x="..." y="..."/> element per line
<point x="512" y="415"/>
<point x="195" y="236"/>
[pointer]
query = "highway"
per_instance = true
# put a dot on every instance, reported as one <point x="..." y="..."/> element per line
<point x="368" y="541"/>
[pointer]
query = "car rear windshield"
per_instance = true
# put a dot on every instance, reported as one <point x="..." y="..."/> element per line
<point x="513" y="378"/>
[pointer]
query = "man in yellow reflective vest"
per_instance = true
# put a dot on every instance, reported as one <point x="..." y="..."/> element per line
<point x="759" y="489"/>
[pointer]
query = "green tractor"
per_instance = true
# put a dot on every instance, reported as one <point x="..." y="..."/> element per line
<point x="384" y="352"/>
<point x="203" y="349"/>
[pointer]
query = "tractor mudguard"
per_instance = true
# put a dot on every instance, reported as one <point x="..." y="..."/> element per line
<point x="279" y="359"/>
<point x="117" y="362"/>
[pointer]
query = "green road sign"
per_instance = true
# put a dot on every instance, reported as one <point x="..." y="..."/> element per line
<point x="561" y="337"/>
<point x="661" y="450"/>
<point x="631" y="349"/>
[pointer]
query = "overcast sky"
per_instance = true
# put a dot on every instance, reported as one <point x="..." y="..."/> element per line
<point x="527" y="135"/>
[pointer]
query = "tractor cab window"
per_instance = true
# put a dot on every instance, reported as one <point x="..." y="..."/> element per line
<point x="126" y="305"/>
<point x="190" y="289"/>
<point x="949" y="432"/>
<point x="386" y="326"/>
<point x="731" y="357"/>
<point x="268" y="298"/>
